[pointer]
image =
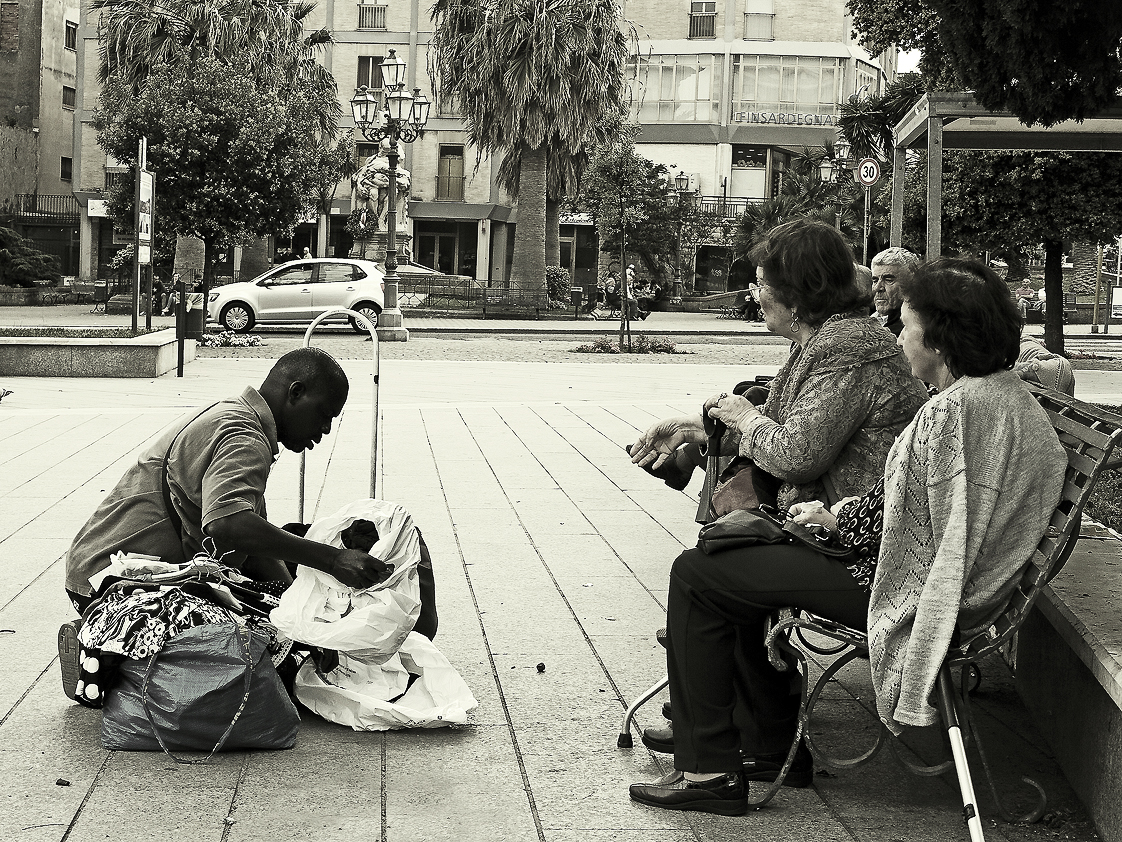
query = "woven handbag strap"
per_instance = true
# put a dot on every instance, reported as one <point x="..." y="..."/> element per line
<point x="165" y="489"/>
<point x="243" y="638"/>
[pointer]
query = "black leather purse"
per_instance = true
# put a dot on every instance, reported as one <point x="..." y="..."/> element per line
<point x="763" y="525"/>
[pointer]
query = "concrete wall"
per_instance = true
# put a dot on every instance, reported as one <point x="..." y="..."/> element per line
<point x="56" y="122"/>
<point x="19" y="65"/>
<point x="18" y="161"/>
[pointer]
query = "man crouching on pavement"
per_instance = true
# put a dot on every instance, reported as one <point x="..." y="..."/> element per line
<point x="217" y="464"/>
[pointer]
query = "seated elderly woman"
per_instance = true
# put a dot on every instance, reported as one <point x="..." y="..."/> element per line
<point x="838" y="401"/>
<point x="967" y="493"/>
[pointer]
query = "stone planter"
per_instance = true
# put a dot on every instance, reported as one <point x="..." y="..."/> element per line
<point x="84" y="355"/>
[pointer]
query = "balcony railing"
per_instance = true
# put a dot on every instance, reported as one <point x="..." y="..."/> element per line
<point x="53" y="207"/>
<point x="450" y="188"/>
<point x="726" y="207"/>
<point x="703" y="25"/>
<point x="371" y="17"/>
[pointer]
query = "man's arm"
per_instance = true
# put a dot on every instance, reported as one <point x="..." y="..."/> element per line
<point x="251" y="534"/>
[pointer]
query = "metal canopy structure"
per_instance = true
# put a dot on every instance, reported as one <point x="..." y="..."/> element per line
<point x="953" y="120"/>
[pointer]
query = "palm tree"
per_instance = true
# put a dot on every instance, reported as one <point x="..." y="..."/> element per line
<point x="528" y="76"/>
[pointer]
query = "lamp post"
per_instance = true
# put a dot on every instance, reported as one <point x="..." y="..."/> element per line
<point x="830" y="171"/>
<point x="682" y="189"/>
<point x="396" y="115"/>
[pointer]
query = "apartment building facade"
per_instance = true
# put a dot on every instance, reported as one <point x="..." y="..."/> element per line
<point x="724" y="90"/>
<point x="38" y="96"/>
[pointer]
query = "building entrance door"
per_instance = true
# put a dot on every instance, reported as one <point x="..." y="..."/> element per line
<point x="437" y="251"/>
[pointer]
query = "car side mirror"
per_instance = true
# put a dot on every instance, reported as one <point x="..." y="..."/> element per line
<point x="264" y="283"/>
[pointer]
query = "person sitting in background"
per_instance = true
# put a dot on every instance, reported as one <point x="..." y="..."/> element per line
<point x="940" y="541"/>
<point x="888" y="268"/>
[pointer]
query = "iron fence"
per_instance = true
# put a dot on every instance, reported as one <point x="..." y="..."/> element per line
<point x="458" y="295"/>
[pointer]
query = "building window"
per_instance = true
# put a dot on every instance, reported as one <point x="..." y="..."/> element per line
<point x="450" y="174"/>
<point x="365" y="151"/>
<point x="703" y="19"/>
<point x="9" y="26"/>
<point x="71" y="35"/>
<point x="677" y="88"/>
<point x="785" y="84"/>
<point x="370" y="72"/>
<point x="69" y="97"/>
<point x="749" y="157"/>
<point x="66" y="171"/>
<point x="113" y="178"/>
<point x="868" y="77"/>
<point x="758" y="27"/>
<point x="371" y="16"/>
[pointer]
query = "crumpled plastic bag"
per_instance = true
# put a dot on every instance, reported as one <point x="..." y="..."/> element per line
<point x="369" y="697"/>
<point x="371" y="624"/>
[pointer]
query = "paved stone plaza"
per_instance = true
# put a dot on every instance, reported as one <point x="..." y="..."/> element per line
<point x="548" y="546"/>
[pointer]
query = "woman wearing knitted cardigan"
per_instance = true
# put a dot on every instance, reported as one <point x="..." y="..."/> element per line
<point x="967" y="492"/>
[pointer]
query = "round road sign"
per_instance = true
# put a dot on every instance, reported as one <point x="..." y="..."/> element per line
<point x="868" y="171"/>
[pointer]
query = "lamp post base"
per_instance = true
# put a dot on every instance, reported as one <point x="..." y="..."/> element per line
<point x="390" y="320"/>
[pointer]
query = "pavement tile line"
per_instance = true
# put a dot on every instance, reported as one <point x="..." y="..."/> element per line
<point x="520" y="759"/>
<point x="85" y="798"/>
<point x="228" y="823"/>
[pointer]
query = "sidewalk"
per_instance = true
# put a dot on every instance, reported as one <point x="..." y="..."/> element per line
<point x="549" y="547"/>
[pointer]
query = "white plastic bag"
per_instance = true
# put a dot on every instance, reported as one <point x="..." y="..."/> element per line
<point x="370" y="624"/>
<point x="358" y="693"/>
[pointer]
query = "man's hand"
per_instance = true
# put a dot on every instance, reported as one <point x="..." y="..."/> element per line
<point x="359" y="570"/>
<point x="660" y="440"/>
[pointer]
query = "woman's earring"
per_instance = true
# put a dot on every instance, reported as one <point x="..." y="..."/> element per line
<point x="794" y="323"/>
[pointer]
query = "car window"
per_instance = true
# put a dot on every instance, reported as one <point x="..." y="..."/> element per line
<point x="300" y="274"/>
<point x="333" y="273"/>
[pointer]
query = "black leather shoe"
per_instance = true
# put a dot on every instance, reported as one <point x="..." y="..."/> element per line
<point x="762" y="767"/>
<point x="726" y="795"/>
<point x="667" y="711"/>
<point x="659" y="739"/>
<point x="675" y="471"/>
<point x="765" y="767"/>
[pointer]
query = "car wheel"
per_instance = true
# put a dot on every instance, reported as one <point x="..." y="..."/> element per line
<point x="237" y="317"/>
<point x="367" y="309"/>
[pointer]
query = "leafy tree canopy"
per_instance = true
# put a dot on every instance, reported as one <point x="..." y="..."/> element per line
<point x="231" y="159"/>
<point x="1043" y="60"/>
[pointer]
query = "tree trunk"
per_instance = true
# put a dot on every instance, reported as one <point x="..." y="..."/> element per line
<point x="1053" y="296"/>
<point x="553" y="232"/>
<point x="321" y="234"/>
<point x="528" y="267"/>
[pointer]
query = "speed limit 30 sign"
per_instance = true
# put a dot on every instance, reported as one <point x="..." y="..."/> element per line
<point x="868" y="171"/>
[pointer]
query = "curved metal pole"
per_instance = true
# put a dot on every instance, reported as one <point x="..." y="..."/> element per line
<point x="365" y="322"/>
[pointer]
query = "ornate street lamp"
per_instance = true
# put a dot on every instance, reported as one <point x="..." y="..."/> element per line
<point x="832" y="170"/>
<point x="682" y="188"/>
<point x="398" y="116"/>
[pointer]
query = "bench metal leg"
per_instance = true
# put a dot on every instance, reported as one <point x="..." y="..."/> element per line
<point x="624" y="740"/>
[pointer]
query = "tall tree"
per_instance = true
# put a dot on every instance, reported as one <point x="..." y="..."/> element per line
<point x="1008" y="201"/>
<point x="528" y="75"/>
<point x="233" y="160"/>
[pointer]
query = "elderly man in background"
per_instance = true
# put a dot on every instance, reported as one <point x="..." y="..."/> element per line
<point x="888" y="267"/>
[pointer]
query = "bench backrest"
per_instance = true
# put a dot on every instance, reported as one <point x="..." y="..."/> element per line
<point x="1089" y="435"/>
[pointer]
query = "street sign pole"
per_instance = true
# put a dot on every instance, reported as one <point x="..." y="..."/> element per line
<point x="868" y="174"/>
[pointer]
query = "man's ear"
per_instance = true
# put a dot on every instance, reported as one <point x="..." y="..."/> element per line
<point x="296" y="390"/>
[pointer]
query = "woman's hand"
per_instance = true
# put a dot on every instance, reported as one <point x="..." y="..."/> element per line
<point x="812" y="512"/>
<point x="660" y="440"/>
<point x="731" y="410"/>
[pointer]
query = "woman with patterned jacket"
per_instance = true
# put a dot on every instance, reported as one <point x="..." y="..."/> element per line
<point x="967" y="493"/>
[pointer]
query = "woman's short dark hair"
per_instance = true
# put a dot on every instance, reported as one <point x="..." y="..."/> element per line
<point x="967" y="313"/>
<point x="809" y="267"/>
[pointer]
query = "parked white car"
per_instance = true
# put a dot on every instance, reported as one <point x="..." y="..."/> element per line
<point x="297" y="292"/>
